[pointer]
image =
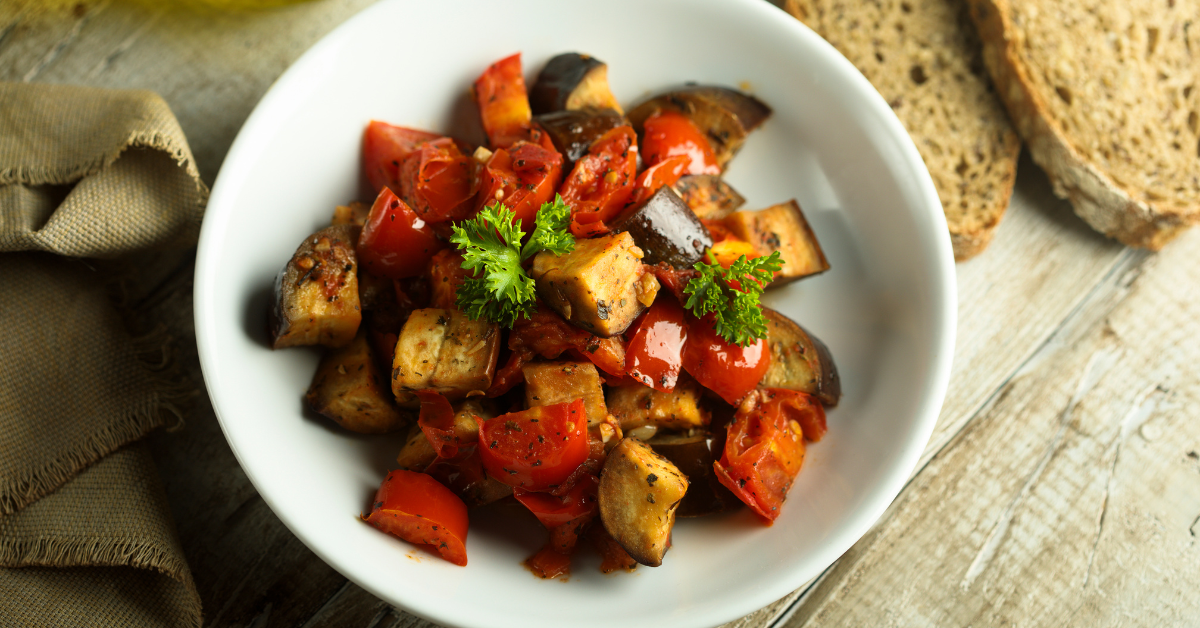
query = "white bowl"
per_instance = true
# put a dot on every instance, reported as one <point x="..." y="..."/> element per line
<point x="886" y="309"/>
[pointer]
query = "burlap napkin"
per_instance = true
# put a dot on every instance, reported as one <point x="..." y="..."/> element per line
<point x="86" y="536"/>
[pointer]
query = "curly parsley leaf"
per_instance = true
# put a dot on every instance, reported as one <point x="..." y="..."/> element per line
<point x="731" y="296"/>
<point x="500" y="291"/>
<point x="550" y="232"/>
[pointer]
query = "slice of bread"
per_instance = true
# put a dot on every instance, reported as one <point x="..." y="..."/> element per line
<point x="924" y="58"/>
<point x="1105" y="94"/>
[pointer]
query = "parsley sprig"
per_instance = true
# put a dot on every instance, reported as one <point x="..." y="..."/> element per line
<point x="732" y="296"/>
<point x="491" y="246"/>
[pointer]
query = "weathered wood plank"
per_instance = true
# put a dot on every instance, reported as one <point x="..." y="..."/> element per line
<point x="1071" y="498"/>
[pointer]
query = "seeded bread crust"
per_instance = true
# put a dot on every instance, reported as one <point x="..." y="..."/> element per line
<point x="1104" y="95"/>
<point x="923" y="57"/>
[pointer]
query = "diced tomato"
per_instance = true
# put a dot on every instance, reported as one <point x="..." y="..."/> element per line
<point x="665" y="173"/>
<point x="612" y="555"/>
<point x="503" y="103"/>
<point x="588" y="230"/>
<point x="673" y="279"/>
<point x="548" y="335"/>
<point x="764" y="449"/>
<point x="439" y="182"/>
<point x="385" y="147"/>
<point x="655" y="353"/>
<point x="670" y="133"/>
<point x="522" y="178"/>
<point x="577" y="506"/>
<point x="565" y="517"/>
<point x="437" y="421"/>
<point x="537" y="449"/>
<point x="395" y="242"/>
<point x="602" y="180"/>
<point x="446" y="274"/>
<point x="418" y="509"/>
<point x="725" y="368"/>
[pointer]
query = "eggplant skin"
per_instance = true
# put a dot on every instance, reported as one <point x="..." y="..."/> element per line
<point x="573" y="131"/>
<point x="726" y="116"/>
<point x="694" y="458"/>
<point x="316" y="293"/>
<point x="572" y="80"/>
<point x="708" y="196"/>
<point x="666" y="230"/>
<point x="799" y="361"/>
<point x="639" y="493"/>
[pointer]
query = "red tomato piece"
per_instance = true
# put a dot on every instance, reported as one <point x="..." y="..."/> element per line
<point x="727" y="369"/>
<point x="670" y="133"/>
<point x="602" y="180"/>
<point x="418" y="509"/>
<point x="665" y="173"/>
<point x="764" y="449"/>
<point x="549" y="563"/>
<point x="537" y="449"/>
<point x="548" y="335"/>
<point x="437" y="421"/>
<point x="395" y="242"/>
<point x="446" y="274"/>
<point x="576" y="507"/>
<point x="503" y="102"/>
<point x="522" y="178"/>
<point x="439" y="182"/>
<point x="385" y="147"/>
<point x="655" y="353"/>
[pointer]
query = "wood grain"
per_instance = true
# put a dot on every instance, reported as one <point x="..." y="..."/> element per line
<point x="1071" y="498"/>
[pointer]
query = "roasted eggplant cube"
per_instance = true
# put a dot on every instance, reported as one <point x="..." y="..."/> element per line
<point x="572" y="81"/>
<point x="708" y="196"/>
<point x="548" y="383"/>
<point x="781" y="228"/>
<point x="316" y="294"/>
<point x="573" y="132"/>
<point x="639" y="492"/>
<point x="799" y="361"/>
<point x="445" y="351"/>
<point x="692" y="455"/>
<point x="417" y="453"/>
<point x="634" y="405"/>
<point x="666" y="230"/>
<point x="597" y="286"/>
<point x="724" y="115"/>
<point x="349" y="388"/>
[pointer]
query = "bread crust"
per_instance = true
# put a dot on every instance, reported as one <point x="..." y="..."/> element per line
<point x="1100" y="201"/>
<point x="984" y="191"/>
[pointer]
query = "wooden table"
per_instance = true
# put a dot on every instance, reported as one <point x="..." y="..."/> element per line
<point x="1061" y="485"/>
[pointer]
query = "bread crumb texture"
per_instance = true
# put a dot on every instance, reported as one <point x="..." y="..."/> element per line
<point x="1105" y="93"/>
<point x="923" y="56"/>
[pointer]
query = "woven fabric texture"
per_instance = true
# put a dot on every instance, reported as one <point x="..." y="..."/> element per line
<point x="86" y="535"/>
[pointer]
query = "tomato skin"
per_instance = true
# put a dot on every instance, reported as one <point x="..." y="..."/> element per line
<point x="725" y="368"/>
<point x="655" y="353"/>
<point x="764" y="449"/>
<point x="602" y="181"/>
<point x="395" y="242"/>
<point x="438" y="181"/>
<point x="437" y="421"/>
<point x="665" y="173"/>
<point x="418" y="509"/>
<point x="385" y="147"/>
<point x="522" y="178"/>
<point x="446" y="274"/>
<point x="668" y="134"/>
<point x="565" y="517"/>
<point x="536" y="449"/>
<point x="503" y="102"/>
<point x="548" y="335"/>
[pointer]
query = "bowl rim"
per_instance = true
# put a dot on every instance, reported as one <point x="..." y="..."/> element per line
<point x="242" y="150"/>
